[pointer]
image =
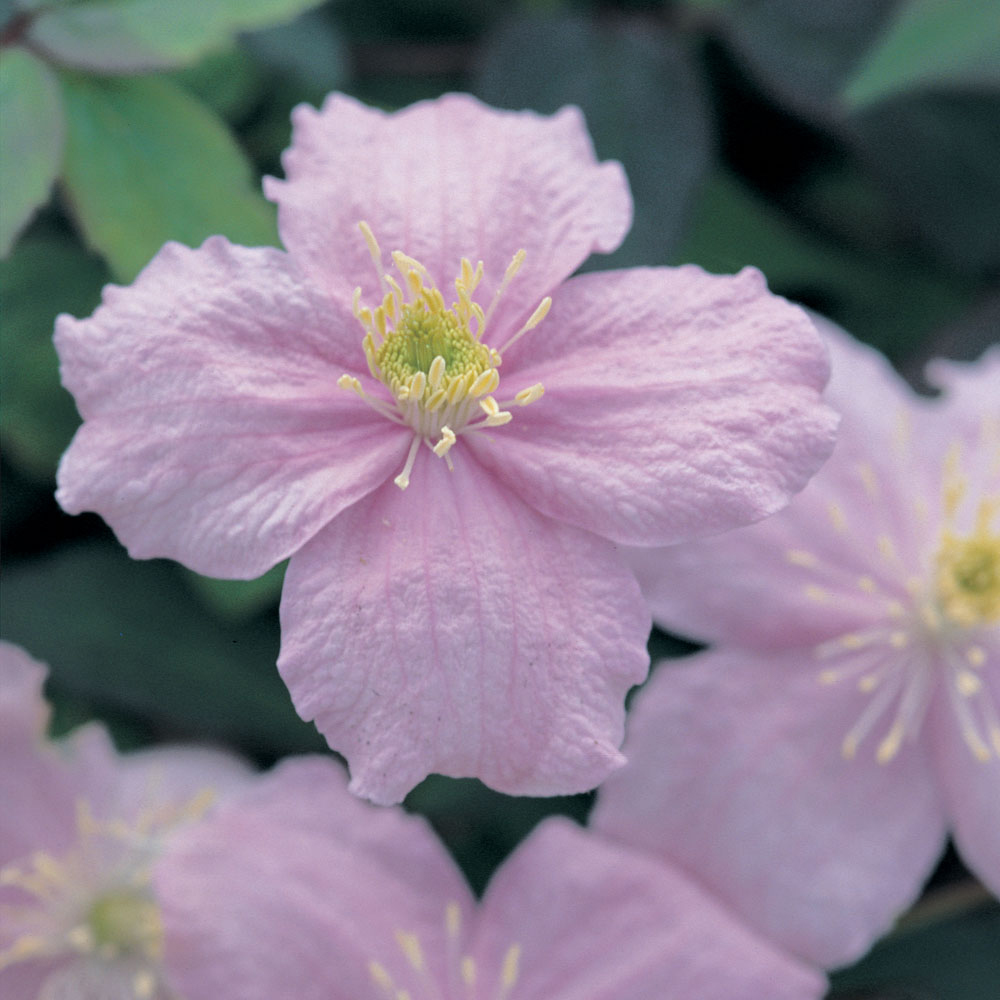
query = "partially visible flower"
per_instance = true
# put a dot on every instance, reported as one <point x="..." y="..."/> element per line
<point x="80" y="827"/>
<point x="810" y="766"/>
<point x="451" y="479"/>
<point x="296" y="889"/>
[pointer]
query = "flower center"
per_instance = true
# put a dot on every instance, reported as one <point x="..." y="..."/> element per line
<point x="968" y="572"/>
<point x="413" y="979"/>
<point x="431" y="356"/>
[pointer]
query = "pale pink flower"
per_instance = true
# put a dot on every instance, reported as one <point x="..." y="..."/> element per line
<point x="80" y="827"/>
<point x="456" y="601"/>
<point x="296" y="889"/>
<point x="809" y="767"/>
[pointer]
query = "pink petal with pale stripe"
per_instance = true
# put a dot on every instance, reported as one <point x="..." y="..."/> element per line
<point x="462" y="632"/>
<point x="677" y="404"/>
<point x="215" y="432"/>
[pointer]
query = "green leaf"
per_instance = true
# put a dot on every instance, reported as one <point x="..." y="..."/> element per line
<point x="44" y="277"/>
<point x="931" y="43"/>
<point x="129" y="36"/>
<point x="128" y="637"/>
<point x="32" y="132"/>
<point x="642" y="100"/>
<point x="146" y="163"/>
<point x="239" y="600"/>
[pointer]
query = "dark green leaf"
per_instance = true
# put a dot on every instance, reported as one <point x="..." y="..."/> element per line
<point x="32" y="132"/>
<point x="643" y="104"/>
<point x="146" y="163"/>
<point x="44" y="277"/>
<point x="129" y="636"/>
<point x="931" y="43"/>
<point x="239" y="600"/>
<point x="129" y="36"/>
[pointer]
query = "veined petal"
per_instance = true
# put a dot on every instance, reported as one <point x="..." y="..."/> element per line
<point x="677" y="404"/>
<point x="443" y="180"/>
<point x="452" y="628"/>
<point x="735" y="773"/>
<point x="333" y="881"/>
<point x="820" y="566"/>
<point x="596" y="921"/>
<point x="970" y="787"/>
<point x="215" y="433"/>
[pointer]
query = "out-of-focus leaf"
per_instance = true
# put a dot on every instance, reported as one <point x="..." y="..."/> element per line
<point x="804" y="52"/>
<point x="228" y="81"/>
<point x="931" y="43"/>
<point x="32" y="132"/>
<point x="952" y="957"/>
<point x="886" y="302"/>
<point x="44" y="277"/>
<point x="130" y="636"/>
<point x="238" y="600"/>
<point x="308" y="50"/>
<point x="130" y="36"/>
<point x="146" y="162"/>
<point x="937" y="154"/>
<point x="642" y="100"/>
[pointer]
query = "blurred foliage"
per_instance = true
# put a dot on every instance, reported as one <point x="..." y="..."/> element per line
<point x="848" y="149"/>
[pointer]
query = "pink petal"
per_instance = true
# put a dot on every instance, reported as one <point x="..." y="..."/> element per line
<point x="24" y="713"/>
<point x="291" y="889"/>
<point x="970" y="787"/>
<point x="677" y="403"/>
<point x="825" y="542"/>
<point x="736" y="774"/>
<point x="596" y="921"/>
<point x="451" y="628"/>
<point x="442" y="180"/>
<point x="215" y="433"/>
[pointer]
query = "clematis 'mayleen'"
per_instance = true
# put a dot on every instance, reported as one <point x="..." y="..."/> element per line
<point x="849" y="716"/>
<point x="80" y="827"/>
<point x="349" y="902"/>
<point x="455" y="601"/>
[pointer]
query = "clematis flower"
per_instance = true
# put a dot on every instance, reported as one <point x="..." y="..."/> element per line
<point x="350" y="902"/>
<point x="80" y="828"/>
<point x="849" y="716"/>
<point x="451" y="472"/>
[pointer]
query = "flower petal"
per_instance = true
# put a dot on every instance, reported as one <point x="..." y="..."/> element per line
<point x="442" y="180"/>
<point x="597" y="921"/>
<point x="292" y="888"/>
<point x="677" y="403"/>
<point x="736" y="774"/>
<point x="451" y="628"/>
<point x="812" y="565"/>
<point x="215" y="433"/>
<point x="970" y="787"/>
<point x="24" y="713"/>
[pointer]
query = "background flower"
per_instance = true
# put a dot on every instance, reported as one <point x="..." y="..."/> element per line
<point x="848" y="717"/>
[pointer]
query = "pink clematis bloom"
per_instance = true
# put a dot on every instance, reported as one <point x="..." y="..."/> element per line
<point x="849" y="716"/>
<point x="297" y="889"/>
<point x="456" y="601"/>
<point x="80" y="828"/>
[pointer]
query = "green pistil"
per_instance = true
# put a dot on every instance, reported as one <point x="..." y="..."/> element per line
<point x="125" y="922"/>
<point x="421" y="336"/>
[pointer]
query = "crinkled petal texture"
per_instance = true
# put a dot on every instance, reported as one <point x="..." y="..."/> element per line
<point x="970" y="788"/>
<point x="442" y="180"/>
<point x="735" y="774"/>
<point x="294" y="888"/>
<point x="453" y="628"/>
<point x="214" y="430"/>
<point x="822" y="544"/>
<point x="596" y="921"/>
<point x="677" y="404"/>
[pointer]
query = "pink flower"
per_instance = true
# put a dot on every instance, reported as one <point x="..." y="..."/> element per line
<point x="79" y="829"/>
<point x="456" y="601"/>
<point x="809" y="767"/>
<point x="296" y="889"/>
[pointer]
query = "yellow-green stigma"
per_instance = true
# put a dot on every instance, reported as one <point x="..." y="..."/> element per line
<point x="431" y="356"/>
<point x="124" y="922"/>
<point x="968" y="572"/>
